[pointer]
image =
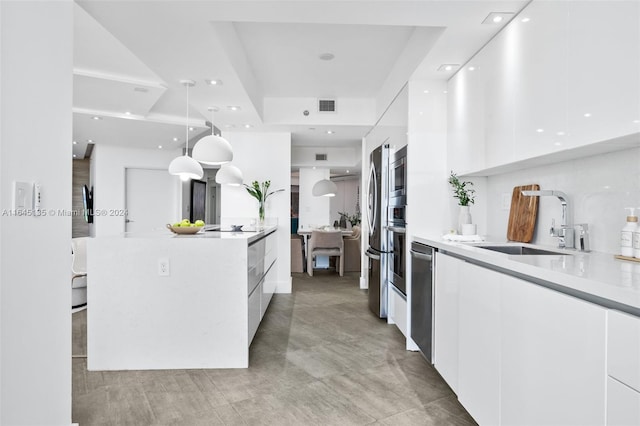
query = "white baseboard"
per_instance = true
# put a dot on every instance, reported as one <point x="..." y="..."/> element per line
<point x="363" y="283"/>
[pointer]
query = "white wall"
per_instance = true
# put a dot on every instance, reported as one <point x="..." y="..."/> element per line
<point x="35" y="295"/>
<point x="345" y="199"/>
<point x="336" y="157"/>
<point x="599" y="188"/>
<point x="313" y="210"/>
<point x="263" y="156"/>
<point x="108" y="165"/>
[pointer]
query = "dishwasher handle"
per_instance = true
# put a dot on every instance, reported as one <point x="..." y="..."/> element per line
<point x="422" y="256"/>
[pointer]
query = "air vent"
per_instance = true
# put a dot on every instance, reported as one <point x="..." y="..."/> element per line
<point x="321" y="157"/>
<point x="326" y="105"/>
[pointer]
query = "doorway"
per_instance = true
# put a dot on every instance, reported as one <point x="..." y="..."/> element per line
<point x="150" y="199"/>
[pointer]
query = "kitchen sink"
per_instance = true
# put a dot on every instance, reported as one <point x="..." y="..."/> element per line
<point x="520" y="250"/>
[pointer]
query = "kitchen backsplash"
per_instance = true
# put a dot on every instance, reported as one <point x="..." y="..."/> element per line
<point x="598" y="187"/>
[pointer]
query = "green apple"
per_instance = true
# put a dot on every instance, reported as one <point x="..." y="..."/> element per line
<point x="177" y="225"/>
<point x="185" y="222"/>
<point x="193" y="225"/>
<point x="199" y="222"/>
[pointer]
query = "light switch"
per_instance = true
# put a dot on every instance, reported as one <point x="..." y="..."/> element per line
<point x="22" y="196"/>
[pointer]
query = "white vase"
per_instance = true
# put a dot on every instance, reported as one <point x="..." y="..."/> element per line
<point x="463" y="218"/>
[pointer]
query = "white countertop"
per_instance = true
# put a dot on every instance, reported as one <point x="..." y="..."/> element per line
<point x="591" y="276"/>
<point x="250" y="236"/>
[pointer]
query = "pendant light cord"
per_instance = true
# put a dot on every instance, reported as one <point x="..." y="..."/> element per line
<point x="187" y="128"/>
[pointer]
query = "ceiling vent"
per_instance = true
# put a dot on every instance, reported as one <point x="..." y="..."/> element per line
<point x="326" y="105"/>
<point x="321" y="157"/>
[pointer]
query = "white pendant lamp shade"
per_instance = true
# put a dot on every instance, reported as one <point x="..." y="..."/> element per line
<point x="213" y="150"/>
<point x="229" y="175"/>
<point x="186" y="167"/>
<point x="324" y="188"/>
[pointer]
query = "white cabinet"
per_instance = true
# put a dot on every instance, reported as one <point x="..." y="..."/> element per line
<point x="254" y="314"/>
<point x="479" y="343"/>
<point x="623" y="404"/>
<point x="623" y="368"/>
<point x="445" y="357"/>
<point x="604" y="67"/>
<point x="397" y="310"/>
<point x="552" y="356"/>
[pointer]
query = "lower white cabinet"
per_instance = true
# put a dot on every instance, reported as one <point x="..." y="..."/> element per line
<point x="552" y="357"/>
<point x="623" y="404"/>
<point x="517" y="353"/>
<point x="254" y="313"/>
<point x="397" y="310"/>
<point x="479" y="343"/>
<point x="623" y="369"/>
<point x="445" y="354"/>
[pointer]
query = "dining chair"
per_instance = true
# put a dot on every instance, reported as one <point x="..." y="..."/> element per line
<point x="325" y="243"/>
<point x="78" y="272"/>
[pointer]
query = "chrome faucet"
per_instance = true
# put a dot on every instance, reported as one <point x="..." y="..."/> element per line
<point x="565" y="233"/>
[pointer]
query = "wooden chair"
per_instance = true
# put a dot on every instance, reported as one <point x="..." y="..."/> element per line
<point x="325" y="243"/>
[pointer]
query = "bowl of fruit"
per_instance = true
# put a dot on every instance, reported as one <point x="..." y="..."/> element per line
<point x="186" y="227"/>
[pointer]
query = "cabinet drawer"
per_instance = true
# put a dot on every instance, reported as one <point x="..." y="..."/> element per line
<point x="623" y="348"/>
<point x="254" y="311"/>
<point x="623" y="404"/>
<point x="254" y="275"/>
<point x="256" y="253"/>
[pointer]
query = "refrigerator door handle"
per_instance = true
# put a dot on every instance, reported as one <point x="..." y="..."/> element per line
<point x="397" y="229"/>
<point x="373" y="199"/>
<point x="372" y="255"/>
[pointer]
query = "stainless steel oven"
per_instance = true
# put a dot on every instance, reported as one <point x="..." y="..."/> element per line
<point x="397" y="246"/>
<point x="398" y="175"/>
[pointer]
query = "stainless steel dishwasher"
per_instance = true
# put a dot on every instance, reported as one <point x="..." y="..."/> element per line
<point x="422" y="258"/>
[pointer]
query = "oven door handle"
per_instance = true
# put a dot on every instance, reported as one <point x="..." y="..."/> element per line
<point x="397" y="229"/>
<point x="422" y="256"/>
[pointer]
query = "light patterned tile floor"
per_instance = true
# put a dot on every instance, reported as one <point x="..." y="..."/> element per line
<point x="320" y="357"/>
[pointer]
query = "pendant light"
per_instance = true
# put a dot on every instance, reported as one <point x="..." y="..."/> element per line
<point x="229" y="175"/>
<point x="324" y="188"/>
<point x="185" y="166"/>
<point x="212" y="149"/>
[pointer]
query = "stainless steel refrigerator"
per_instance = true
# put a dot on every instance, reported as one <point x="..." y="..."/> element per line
<point x="377" y="206"/>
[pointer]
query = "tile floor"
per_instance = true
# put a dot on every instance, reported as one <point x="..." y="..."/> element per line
<point x="320" y="357"/>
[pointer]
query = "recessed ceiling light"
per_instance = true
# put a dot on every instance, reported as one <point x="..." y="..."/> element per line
<point x="420" y="113"/>
<point x="175" y="139"/>
<point x="525" y="19"/>
<point x="159" y="146"/>
<point x="229" y="126"/>
<point x="127" y="113"/>
<point x="560" y="133"/>
<point x="472" y="68"/>
<point x="74" y="156"/>
<point x="95" y="117"/>
<point x="539" y="130"/>
<point x="330" y="132"/>
<point x="214" y="82"/>
<point x="327" y="56"/>
<point x="75" y="143"/>
<point x="448" y="67"/>
<point x="89" y="140"/>
<point x="497" y="17"/>
<point x="587" y="114"/>
<point x="247" y="126"/>
<point x="347" y="171"/>
<point x="191" y="129"/>
<point x="314" y="167"/>
<point x="636" y="121"/>
<point x="425" y="91"/>
<point x="558" y="143"/>
<point x="234" y="108"/>
<point x="445" y="92"/>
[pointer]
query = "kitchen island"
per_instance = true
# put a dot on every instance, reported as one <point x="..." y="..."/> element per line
<point x="164" y="301"/>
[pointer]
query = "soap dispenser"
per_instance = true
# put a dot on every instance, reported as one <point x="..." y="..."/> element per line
<point x="626" y="236"/>
<point x="636" y="241"/>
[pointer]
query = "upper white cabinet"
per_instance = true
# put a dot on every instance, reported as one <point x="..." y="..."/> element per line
<point x="560" y="76"/>
<point x="603" y="57"/>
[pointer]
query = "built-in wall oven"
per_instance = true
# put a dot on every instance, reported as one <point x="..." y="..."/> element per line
<point x="397" y="220"/>
<point x="397" y="247"/>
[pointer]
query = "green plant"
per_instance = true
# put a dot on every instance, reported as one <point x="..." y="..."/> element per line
<point x="353" y="219"/>
<point x="260" y="192"/>
<point x="464" y="195"/>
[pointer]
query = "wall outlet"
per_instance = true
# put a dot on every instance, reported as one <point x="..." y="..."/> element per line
<point x="506" y="201"/>
<point x="164" y="268"/>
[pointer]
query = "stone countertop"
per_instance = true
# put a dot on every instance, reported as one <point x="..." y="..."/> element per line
<point x="594" y="276"/>
<point x="249" y="236"/>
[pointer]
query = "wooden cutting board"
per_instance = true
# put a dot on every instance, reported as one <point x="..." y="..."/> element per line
<point x="522" y="216"/>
